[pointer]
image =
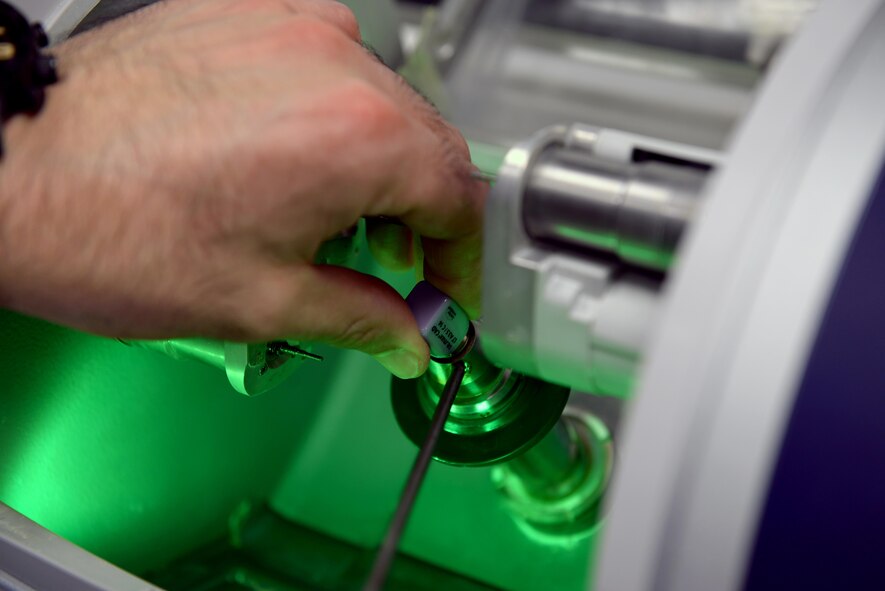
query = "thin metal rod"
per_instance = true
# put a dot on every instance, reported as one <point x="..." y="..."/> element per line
<point x="293" y="351"/>
<point x="486" y="177"/>
<point x="387" y="551"/>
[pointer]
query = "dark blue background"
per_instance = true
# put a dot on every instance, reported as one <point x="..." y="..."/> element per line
<point x="823" y="526"/>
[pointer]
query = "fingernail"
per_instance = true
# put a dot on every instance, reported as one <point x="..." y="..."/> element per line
<point x="389" y="234"/>
<point x="402" y="363"/>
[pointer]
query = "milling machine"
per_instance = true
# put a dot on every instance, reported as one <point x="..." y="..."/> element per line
<point x="679" y="364"/>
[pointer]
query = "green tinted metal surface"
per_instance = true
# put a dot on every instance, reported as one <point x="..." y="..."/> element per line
<point x="141" y="458"/>
<point x="497" y="414"/>
<point x="133" y="455"/>
<point x="483" y="397"/>
<point x="346" y="477"/>
<point x="487" y="157"/>
<point x="557" y="487"/>
<point x="268" y="553"/>
<point x="630" y="250"/>
<point x="208" y="351"/>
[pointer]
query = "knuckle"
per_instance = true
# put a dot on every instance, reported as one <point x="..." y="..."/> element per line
<point x="315" y="35"/>
<point x="361" y="333"/>
<point x="371" y="112"/>
<point x="459" y="141"/>
<point x="344" y="18"/>
<point x="256" y="323"/>
<point x="450" y="134"/>
<point x="262" y="315"/>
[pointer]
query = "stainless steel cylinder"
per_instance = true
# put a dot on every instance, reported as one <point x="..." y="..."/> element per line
<point x="251" y="368"/>
<point x="551" y="462"/>
<point x="557" y="486"/>
<point x="636" y="211"/>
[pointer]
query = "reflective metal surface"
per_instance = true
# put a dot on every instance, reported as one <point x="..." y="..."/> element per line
<point x="637" y="211"/>
<point x="497" y="413"/>
<point x="252" y="368"/>
<point x="581" y="316"/>
<point x="513" y="76"/>
<point x="33" y="559"/>
<point x="741" y="30"/>
<point x="741" y="313"/>
<point x="557" y="486"/>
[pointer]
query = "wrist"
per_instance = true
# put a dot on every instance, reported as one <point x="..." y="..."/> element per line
<point x="15" y="195"/>
<point x="25" y="72"/>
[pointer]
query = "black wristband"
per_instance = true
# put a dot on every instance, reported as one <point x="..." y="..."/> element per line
<point x="24" y="70"/>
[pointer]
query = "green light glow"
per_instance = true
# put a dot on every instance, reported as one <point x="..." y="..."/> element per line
<point x="630" y="250"/>
<point x="141" y="458"/>
<point x="642" y="254"/>
<point x="116" y="448"/>
<point x="460" y="521"/>
<point x="567" y="502"/>
<point x="487" y="157"/>
<point x="603" y="240"/>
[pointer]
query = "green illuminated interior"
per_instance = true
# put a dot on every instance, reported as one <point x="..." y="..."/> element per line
<point x="143" y="459"/>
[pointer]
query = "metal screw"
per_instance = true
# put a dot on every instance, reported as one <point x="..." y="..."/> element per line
<point x="293" y="351"/>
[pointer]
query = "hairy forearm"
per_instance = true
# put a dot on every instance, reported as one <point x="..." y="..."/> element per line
<point x="193" y="158"/>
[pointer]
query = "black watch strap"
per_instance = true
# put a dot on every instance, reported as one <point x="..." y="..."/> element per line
<point x="25" y="71"/>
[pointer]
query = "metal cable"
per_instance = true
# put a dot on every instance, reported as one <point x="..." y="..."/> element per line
<point x="387" y="551"/>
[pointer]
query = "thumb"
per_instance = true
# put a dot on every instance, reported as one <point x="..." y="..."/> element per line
<point x="348" y="309"/>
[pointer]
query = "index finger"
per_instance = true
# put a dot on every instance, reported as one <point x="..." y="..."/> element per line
<point x="435" y="193"/>
<point x="455" y="268"/>
<point x="438" y="192"/>
<point x="395" y="156"/>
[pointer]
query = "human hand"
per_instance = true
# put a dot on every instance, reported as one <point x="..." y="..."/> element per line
<point x="196" y="154"/>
